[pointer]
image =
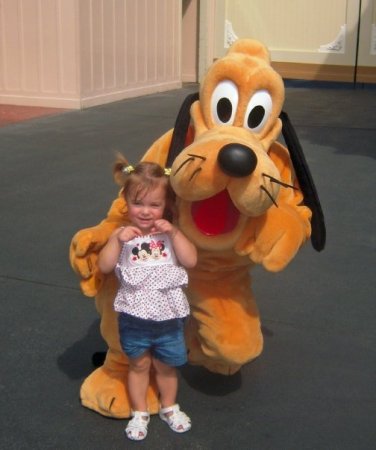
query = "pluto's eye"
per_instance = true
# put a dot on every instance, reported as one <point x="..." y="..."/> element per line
<point x="258" y="111"/>
<point x="224" y="103"/>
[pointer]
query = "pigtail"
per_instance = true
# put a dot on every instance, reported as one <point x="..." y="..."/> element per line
<point x="121" y="169"/>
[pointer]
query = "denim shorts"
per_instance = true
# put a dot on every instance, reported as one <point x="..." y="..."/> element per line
<point x="165" y="339"/>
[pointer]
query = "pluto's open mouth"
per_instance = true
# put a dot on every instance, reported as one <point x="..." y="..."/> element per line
<point x="215" y="215"/>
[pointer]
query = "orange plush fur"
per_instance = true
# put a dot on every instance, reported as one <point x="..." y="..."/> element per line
<point x="266" y="224"/>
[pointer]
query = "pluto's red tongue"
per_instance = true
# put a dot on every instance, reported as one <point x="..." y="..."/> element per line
<point x="215" y="215"/>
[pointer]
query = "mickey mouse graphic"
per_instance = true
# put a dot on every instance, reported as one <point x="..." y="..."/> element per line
<point x="141" y="253"/>
<point x="153" y="250"/>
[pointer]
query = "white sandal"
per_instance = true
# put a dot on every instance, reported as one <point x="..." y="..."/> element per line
<point x="137" y="427"/>
<point x="177" y="420"/>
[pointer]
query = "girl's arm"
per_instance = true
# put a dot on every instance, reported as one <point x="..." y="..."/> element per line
<point x="185" y="251"/>
<point x="109" y="255"/>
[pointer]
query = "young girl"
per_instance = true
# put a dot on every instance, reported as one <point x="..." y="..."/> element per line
<point x="149" y="256"/>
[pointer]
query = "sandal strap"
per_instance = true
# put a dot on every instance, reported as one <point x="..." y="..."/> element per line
<point x="173" y="408"/>
<point x="178" y="421"/>
<point x="144" y="415"/>
<point x="138" y="424"/>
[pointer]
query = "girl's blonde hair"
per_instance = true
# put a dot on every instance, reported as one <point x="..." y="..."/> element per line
<point x="138" y="180"/>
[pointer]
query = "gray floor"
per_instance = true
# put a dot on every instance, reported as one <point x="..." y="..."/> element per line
<point x="314" y="385"/>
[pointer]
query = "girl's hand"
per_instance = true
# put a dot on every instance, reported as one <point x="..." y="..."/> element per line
<point x="164" y="226"/>
<point x="109" y="254"/>
<point x="125" y="234"/>
<point x="185" y="251"/>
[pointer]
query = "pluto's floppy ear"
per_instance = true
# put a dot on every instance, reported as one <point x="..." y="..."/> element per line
<point x="180" y="129"/>
<point x="311" y="198"/>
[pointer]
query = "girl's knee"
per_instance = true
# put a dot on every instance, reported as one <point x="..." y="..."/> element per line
<point x="163" y="368"/>
<point x="140" y="364"/>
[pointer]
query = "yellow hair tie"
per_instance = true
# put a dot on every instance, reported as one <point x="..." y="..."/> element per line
<point x="128" y="169"/>
<point x="167" y="172"/>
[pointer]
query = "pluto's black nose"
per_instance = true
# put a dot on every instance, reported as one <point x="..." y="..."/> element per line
<point x="237" y="160"/>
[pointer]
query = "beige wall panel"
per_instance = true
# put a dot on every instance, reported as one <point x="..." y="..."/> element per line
<point x="109" y="54"/>
<point x="119" y="43"/>
<point x="84" y="42"/>
<point x="366" y="71"/>
<point x="152" y="47"/>
<point x="10" y="39"/>
<point x="161" y="47"/>
<point x="170" y="39"/>
<point x="31" y="51"/>
<point x="131" y="48"/>
<point x="49" y="41"/>
<point x="143" y="40"/>
<point x="69" y="54"/>
<point x="131" y="42"/>
<point x="78" y="53"/>
<point x="38" y="53"/>
<point x="211" y="20"/>
<point x="189" y="40"/>
<point x="96" y="43"/>
<point x="294" y="30"/>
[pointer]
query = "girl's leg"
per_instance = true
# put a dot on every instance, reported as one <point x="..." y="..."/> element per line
<point x="167" y="381"/>
<point x="138" y="381"/>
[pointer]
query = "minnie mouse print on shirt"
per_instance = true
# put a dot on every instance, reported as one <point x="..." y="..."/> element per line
<point x="149" y="250"/>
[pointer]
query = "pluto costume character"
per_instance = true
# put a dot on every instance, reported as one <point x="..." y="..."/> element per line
<point x="239" y="200"/>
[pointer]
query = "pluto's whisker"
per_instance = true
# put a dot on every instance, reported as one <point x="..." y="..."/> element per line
<point x="194" y="173"/>
<point x="197" y="156"/>
<point x="263" y="188"/>
<point x="274" y="180"/>
<point x="183" y="164"/>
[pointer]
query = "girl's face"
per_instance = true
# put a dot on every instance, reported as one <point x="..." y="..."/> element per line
<point x="144" y="211"/>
